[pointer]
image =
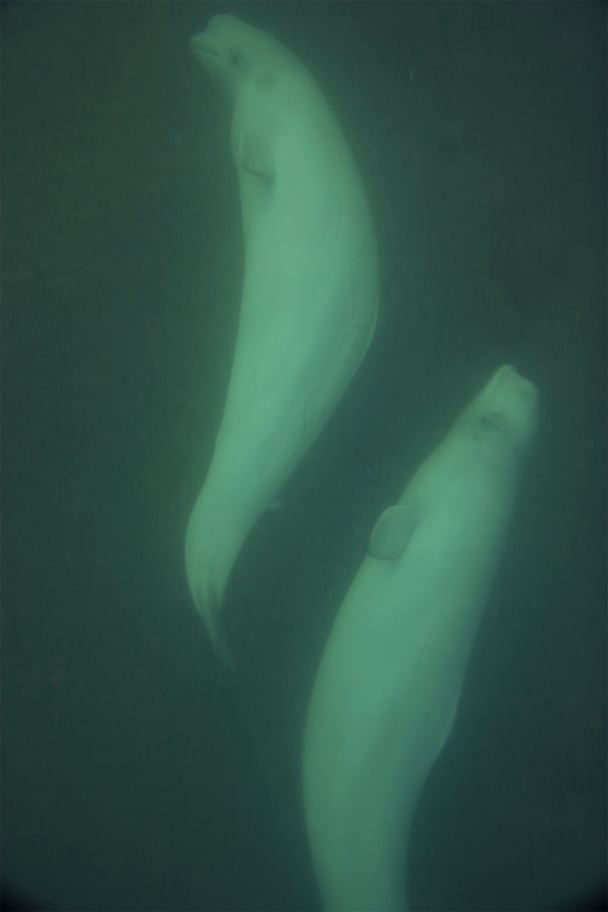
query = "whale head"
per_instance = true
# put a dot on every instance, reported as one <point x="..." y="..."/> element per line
<point x="502" y="419"/>
<point x="510" y="399"/>
<point x="234" y="53"/>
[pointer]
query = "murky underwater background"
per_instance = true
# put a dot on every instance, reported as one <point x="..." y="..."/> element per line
<point x="136" y="773"/>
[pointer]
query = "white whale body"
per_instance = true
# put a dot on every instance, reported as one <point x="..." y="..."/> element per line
<point x="309" y="299"/>
<point x="387" y="689"/>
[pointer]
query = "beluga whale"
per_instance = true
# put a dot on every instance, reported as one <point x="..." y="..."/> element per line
<point x="309" y="297"/>
<point x="387" y="689"/>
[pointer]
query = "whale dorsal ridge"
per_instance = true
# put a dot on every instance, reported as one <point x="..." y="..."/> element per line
<point x="392" y="532"/>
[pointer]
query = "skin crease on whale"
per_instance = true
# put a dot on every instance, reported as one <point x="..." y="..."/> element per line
<point x="309" y="299"/>
<point x="386" y="693"/>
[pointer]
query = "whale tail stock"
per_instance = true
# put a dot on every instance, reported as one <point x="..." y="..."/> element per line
<point x="208" y="561"/>
<point x="221" y="645"/>
<point x="209" y="607"/>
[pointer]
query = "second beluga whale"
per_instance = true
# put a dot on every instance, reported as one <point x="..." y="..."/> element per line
<point x="387" y="690"/>
<point x="309" y="300"/>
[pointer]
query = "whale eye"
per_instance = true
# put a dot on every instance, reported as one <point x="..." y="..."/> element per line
<point x="236" y="57"/>
<point x="489" y="421"/>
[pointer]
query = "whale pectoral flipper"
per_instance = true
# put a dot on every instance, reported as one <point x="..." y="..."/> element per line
<point x="255" y="155"/>
<point x="392" y="532"/>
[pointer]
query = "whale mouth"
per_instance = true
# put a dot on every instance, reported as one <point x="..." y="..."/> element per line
<point x="207" y="51"/>
<point x="204" y="47"/>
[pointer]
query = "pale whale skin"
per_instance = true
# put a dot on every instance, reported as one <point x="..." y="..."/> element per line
<point x="388" y="685"/>
<point x="310" y="293"/>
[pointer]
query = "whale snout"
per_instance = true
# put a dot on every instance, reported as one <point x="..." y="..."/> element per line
<point x="516" y="397"/>
<point x="508" y="379"/>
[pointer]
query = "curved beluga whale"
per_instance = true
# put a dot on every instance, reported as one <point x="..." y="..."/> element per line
<point x="310" y="293"/>
<point x="388" y="686"/>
